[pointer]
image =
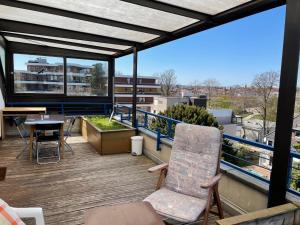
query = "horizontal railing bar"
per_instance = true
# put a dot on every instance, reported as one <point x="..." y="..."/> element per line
<point x="245" y="141"/>
<point x="249" y="153"/>
<point x="244" y="160"/>
<point x="261" y="155"/>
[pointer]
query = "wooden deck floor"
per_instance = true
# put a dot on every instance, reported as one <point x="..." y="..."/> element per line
<point x="79" y="182"/>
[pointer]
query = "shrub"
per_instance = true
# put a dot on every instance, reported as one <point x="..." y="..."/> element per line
<point x="185" y="113"/>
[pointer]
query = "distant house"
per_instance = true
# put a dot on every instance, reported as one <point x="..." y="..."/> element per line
<point x="228" y="120"/>
<point x="161" y="103"/>
<point x="223" y="116"/>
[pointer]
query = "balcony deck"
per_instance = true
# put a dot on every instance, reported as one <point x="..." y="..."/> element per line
<point x="79" y="182"/>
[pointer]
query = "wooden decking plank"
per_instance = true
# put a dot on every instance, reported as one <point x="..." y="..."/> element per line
<point x="79" y="182"/>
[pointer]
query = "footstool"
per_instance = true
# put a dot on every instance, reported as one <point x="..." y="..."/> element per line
<point x="140" y="213"/>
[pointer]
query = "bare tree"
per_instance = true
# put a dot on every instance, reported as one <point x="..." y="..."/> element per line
<point x="196" y="87"/>
<point x="264" y="85"/>
<point x="210" y="85"/>
<point x="168" y="82"/>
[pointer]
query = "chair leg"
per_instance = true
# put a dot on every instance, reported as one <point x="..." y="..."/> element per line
<point x="218" y="202"/>
<point x="22" y="152"/>
<point x="37" y="153"/>
<point x="69" y="147"/>
<point x="208" y="206"/>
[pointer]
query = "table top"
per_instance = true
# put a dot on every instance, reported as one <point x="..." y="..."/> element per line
<point x="44" y="119"/>
<point x="24" y="109"/>
<point x="139" y="213"/>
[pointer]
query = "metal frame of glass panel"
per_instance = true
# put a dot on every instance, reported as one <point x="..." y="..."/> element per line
<point x="144" y="23"/>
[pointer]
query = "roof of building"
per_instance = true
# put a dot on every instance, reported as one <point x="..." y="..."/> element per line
<point x="221" y="112"/>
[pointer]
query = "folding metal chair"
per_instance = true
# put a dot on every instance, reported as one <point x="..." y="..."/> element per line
<point x="23" y="133"/>
<point x="41" y="137"/>
<point x="68" y="132"/>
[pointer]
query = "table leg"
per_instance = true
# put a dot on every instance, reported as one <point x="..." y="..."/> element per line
<point x="62" y="141"/>
<point x="31" y="142"/>
<point x="2" y="126"/>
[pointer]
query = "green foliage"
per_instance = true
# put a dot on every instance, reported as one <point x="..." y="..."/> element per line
<point x="186" y="113"/>
<point x="296" y="177"/>
<point x="297" y="146"/>
<point x="103" y="123"/>
<point x="237" y="153"/>
<point x="237" y="103"/>
<point x="98" y="79"/>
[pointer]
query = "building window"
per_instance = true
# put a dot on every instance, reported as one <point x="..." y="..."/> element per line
<point x="87" y="77"/>
<point x="34" y="74"/>
<point x="142" y="99"/>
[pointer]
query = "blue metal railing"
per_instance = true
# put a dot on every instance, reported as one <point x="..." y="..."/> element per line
<point x="238" y="153"/>
<point x="71" y="108"/>
<point x="144" y="122"/>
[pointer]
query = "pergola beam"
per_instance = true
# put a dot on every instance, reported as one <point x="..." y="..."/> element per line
<point x="230" y="15"/>
<point x="29" y="37"/>
<point x="80" y="16"/>
<point x="170" y="9"/>
<point x="285" y="110"/>
<point x="22" y="48"/>
<point x="28" y="28"/>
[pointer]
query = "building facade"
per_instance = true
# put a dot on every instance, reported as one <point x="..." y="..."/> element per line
<point x="41" y="76"/>
<point x="148" y="88"/>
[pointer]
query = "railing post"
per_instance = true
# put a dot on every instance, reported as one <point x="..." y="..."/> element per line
<point x="146" y="120"/>
<point x="169" y="128"/>
<point x="290" y="172"/>
<point x="129" y="114"/>
<point x="158" y="139"/>
<point x="105" y="109"/>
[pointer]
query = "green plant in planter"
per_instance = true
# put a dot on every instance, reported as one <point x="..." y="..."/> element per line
<point x="103" y="123"/>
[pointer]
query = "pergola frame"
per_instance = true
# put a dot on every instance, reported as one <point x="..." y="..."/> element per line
<point x="205" y="21"/>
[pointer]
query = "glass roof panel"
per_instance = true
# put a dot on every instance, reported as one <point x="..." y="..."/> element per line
<point x="55" y="45"/>
<point x="45" y="19"/>
<point x="210" y="7"/>
<point x="122" y="11"/>
<point x="92" y="43"/>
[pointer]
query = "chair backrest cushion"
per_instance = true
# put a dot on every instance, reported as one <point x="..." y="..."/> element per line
<point x="194" y="159"/>
<point x="8" y="215"/>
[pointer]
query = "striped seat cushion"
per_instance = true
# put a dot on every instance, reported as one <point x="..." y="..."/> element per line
<point x="8" y="215"/>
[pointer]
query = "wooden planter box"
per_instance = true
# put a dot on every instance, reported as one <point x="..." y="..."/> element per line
<point x="107" y="142"/>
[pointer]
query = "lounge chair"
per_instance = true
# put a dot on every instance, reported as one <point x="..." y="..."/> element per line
<point x="188" y="184"/>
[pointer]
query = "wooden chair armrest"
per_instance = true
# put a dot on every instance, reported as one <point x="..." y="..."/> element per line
<point x="212" y="182"/>
<point x="158" y="168"/>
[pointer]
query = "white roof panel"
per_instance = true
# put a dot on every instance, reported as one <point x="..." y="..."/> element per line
<point x="45" y="19"/>
<point x="55" y="45"/>
<point x="210" y="7"/>
<point x="122" y="12"/>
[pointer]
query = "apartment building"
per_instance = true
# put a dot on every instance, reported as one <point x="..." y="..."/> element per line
<point x="41" y="76"/>
<point x="148" y="87"/>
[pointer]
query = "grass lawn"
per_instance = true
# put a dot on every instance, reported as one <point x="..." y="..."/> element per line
<point x="103" y="123"/>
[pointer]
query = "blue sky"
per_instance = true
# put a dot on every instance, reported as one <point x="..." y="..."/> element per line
<point x="232" y="53"/>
